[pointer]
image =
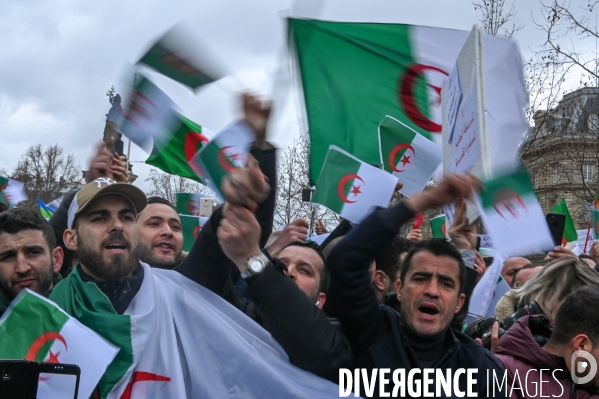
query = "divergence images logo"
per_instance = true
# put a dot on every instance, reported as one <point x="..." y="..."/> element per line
<point x="583" y="367"/>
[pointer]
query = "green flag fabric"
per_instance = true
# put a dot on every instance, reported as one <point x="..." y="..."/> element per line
<point x="191" y="227"/>
<point x="570" y="238"/>
<point x="353" y="74"/>
<point x="438" y="227"/>
<point x="34" y="328"/>
<point x="174" y="153"/>
<point x="352" y="188"/>
<point x="186" y="60"/>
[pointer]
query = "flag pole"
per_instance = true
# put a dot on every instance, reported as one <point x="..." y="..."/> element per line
<point x="128" y="154"/>
<point x="586" y="240"/>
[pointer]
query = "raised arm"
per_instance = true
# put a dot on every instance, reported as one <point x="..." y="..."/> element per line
<point x="350" y="295"/>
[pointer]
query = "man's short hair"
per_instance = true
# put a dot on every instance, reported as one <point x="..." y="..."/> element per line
<point x="324" y="273"/>
<point x="388" y="260"/>
<point x="3" y="207"/>
<point x="15" y="220"/>
<point x="437" y="247"/>
<point x="329" y="248"/>
<point x="160" y="200"/>
<point x="578" y="314"/>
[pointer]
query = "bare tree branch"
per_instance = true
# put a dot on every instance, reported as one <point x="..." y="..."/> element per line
<point x="495" y="17"/>
<point x="166" y="186"/>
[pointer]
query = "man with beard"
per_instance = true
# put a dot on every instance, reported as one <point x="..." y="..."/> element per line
<point x="29" y="257"/>
<point x="169" y="329"/>
<point x="160" y="234"/>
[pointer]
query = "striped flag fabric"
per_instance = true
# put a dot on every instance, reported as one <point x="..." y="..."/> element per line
<point x="46" y="210"/>
<point x="352" y="188"/>
<point x="228" y="150"/>
<point x="34" y="328"/>
<point x="408" y="155"/>
<point x="438" y="226"/>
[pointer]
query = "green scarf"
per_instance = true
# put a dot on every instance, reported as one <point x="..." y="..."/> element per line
<point x="5" y="300"/>
<point x="85" y="302"/>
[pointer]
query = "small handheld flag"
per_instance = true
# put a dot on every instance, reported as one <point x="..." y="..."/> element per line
<point x="352" y="188"/>
<point x="46" y="210"/>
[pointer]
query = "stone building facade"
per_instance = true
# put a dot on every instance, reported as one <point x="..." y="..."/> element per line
<point x="562" y="155"/>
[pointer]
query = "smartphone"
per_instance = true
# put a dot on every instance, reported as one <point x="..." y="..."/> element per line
<point x="58" y="381"/>
<point x="18" y="379"/>
<point x="118" y="147"/>
<point x="556" y="223"/>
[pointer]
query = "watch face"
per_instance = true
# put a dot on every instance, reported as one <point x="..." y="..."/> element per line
<point x="255" y="265"/>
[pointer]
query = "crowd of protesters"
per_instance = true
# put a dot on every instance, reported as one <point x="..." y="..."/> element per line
<point x="367" y="298"/>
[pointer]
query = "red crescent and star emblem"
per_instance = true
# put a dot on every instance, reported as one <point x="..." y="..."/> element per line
<point x="444" y="229"/>
<point x="40" y="342"/>
<point x="355" y="188"/>
<point x="225" y="161"/>
<point x="406" y="159"/>
<point x="4" y="187"/>
<point x="406" y="96"/>
<point x="141" y="376"/>
<point x="196" y="231"/>
<point x="191" y="144"/>
<point x="508" y="205"/>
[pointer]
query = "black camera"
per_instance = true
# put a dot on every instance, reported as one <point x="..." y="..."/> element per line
<point x="483" y="327"/>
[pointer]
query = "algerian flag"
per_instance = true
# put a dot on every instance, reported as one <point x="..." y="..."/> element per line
<point x="353" y="74"/>
<point x="34" y="328"/>
<point x="178" y="146"/>
<point x="13" y="191"/>
<point x="181" y="58"/>
<point x="191" y="226"/>
<point x="352" y="188"/>
<point x="227" y="151"/>
<point x="178" y="339"/>
<point x="513" y="216"/>
<point x="408" y="155"/>
<point x="570" y="238"/>
<point x="46" y="210"/>
<point x="438" y="228"/>
<point x="150" y="115"/>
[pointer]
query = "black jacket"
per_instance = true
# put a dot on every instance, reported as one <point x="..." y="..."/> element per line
<point x="375" y="331"/>
<point x="312" y="341"/>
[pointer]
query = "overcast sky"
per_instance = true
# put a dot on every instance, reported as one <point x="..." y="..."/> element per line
<point x="59" y="57"/>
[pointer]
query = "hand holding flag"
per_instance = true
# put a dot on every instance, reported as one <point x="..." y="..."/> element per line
<point x="452" y="187"/>
<point x="245" y="187"/>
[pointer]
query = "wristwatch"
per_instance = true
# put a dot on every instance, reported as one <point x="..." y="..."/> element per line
<point x="255" y="265"/>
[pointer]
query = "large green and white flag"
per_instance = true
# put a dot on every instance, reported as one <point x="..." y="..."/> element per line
<point x="178" y="339"/>
<point x="150" y="116"/>
<point x="227" y="151"/>
<point x="174" y="153"/>
<point x="183" y="58"/>
<point x="438" y="228"/>
<point x="570" y="238"/>
<point x="34" y="328"/>
<point x="191" y="227"/>
<point x="408" y="155"/>
<point x="513" y="216"/>
<point x="353" y="74"/>
<point x="352" y="188"/>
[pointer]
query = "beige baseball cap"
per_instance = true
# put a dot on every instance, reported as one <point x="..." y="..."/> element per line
<point x="103" y="186"/>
